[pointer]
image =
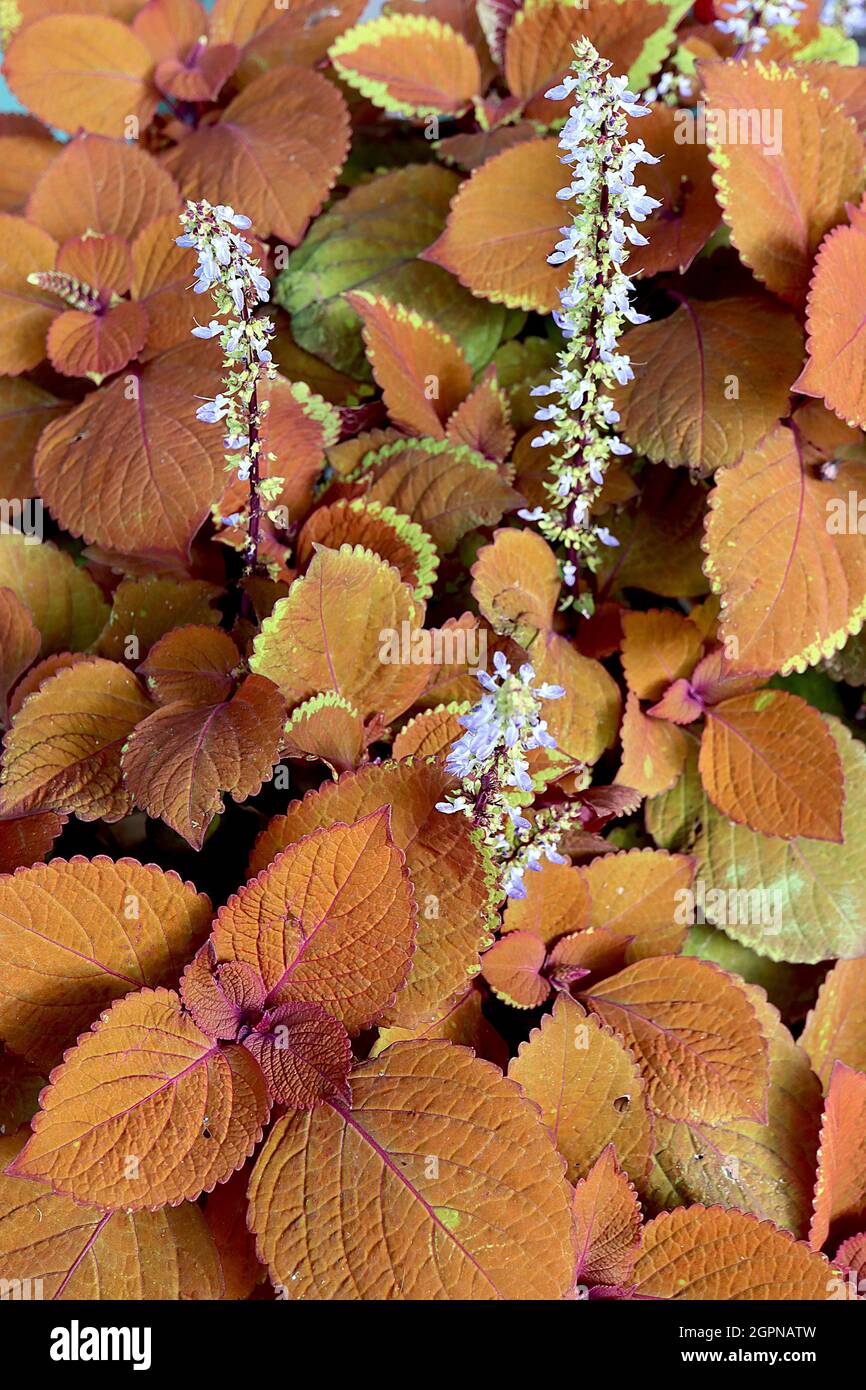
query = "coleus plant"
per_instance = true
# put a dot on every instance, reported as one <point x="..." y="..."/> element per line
<point x="471" y="604"/>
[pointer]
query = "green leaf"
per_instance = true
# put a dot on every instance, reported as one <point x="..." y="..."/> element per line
<point x="520" y="367"/>
<point x="817" y="889"/>
<point x="830" y="46"/>
<point x="673" y="817"/>
<point x="372" y="239"/>
<point x="657" y="46"/>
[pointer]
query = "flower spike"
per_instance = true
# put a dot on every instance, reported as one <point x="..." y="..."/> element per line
<point x="490" y="759"/>
<point x="237" y="286"/>
<point x="749" y="20"/>
<point x="596" y="303"/>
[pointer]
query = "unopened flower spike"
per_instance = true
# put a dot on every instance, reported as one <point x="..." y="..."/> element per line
<point x="596" y="303"/>
<point x="749" y="20"/>
<point x="237" y="286"/>
<point x="490" y="759"/>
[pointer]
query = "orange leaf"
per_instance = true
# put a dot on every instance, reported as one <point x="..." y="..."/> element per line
<point x="766" y="1169"/>
<point x="658" y="647"/>
<point x="834" y="317"/>
<point x="445" y="488"/>
<point x="192" y="664"/>
<point x="584" y="723"/>
<point x="594" y="952"/>
<point x="170" y="27"/>
<point x="792" y="591"/>
<point x="65" y="604"/>
<point x="589" y="1088"/>
<point x="483" y="421"/>
<point x="447" y="867"/>
<point x="39" y="674"/>
<point x="607" y="1217"/>
<point x="306" y="645"/>
<point x="331" y="921"/>
<point x="452" y="674"/>
<point x="62" y="752"/>
<point x="851" y="1255"/>
<point x="19" y="642"/>
<point x="106" y="186"/>
<point x="680" y="704"/>
<point x="513" y="969"/>
<point x="140" y="442"/>
<point x="299" y="426"/>
<point x="539" y="44"/>
<point x="762" y="758"/>
<point x="162" y="273"/>
<point x="100" y="261"/>
<point x="60" y="1250"/>
<point x="682" y="181"/>
<point x="26" y="839"/>
<point x="26" y="311"/>
<point x="825" y="436"/>
<point x="390" y="536"/>
<point x="836" y="1028"/>
<point x="83" y="70"/>
<point x="497" y="243"/>
<point x="275" y="151"/>
<point x="653" y="751"/>
<point x="225" y="1212"/>
<point x="26" y="150"/>
<point x="84" y="344"/>
<point x="556" y="902"/>
<point x="687" y="414"/>
<point x="179" y="760"/>
<point x="493" y="1209"/>
<point x="20" y="1085"/>
<point x="409" y="63"/>
<point x="840" y="1185"/>
<point x="421" y="370"/>
<point x="326" y="728"/>
<point x="270" y="37"/>
<point x="97" y="929"/>
<point x="516" y="584"/>
<point x="147" y="1084"/>
<point x="635" y="897"/>
<point x="751" y="1260"/>
<point x="780" y="202"/>
<point x="695" y="1033"/>
<point x="470" y="151"/>
<point x="431" y="733"/>
<point x="847" y="87"/>
<point x="25" y="410"/>
<point x="144" y="610"/>
<point x="790" y="900"/>
<point x="200" y="78"/>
